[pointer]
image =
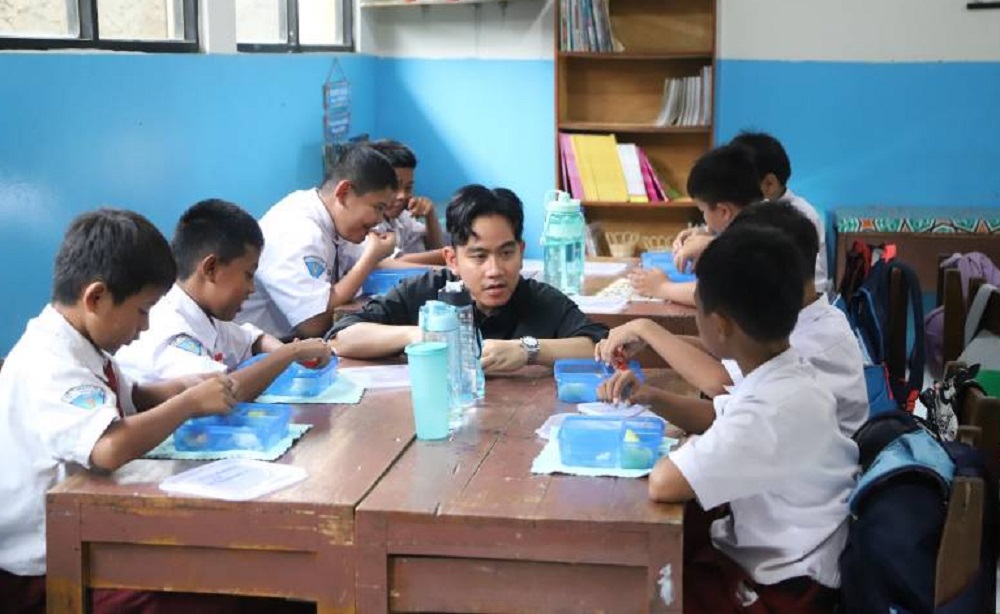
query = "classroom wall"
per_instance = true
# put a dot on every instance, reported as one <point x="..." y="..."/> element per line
<point x="153" y="133"/>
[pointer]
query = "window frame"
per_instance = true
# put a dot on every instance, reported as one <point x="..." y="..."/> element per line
<point x="293" y="45"/>
<point x="89" y="37"/>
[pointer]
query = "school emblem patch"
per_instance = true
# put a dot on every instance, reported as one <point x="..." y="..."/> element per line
<point x="188" y="344"/>
<point x="315" y="265"/>
<point x="86" y="396"/>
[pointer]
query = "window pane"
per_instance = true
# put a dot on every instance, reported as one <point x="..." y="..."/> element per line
<point x="39" y="18"/>
<point x="142" y="20"/>
<point x="261" y="21"/>
<point x="320" y="22"/>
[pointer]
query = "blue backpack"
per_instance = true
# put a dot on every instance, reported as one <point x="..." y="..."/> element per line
<point x="898" y="512"/>
<point x="864" y="298"/>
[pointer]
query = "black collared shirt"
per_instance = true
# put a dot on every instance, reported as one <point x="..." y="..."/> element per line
<point x="535" y="309"/>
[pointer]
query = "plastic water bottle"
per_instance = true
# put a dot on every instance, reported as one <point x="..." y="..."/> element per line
<point x="439" y="322"/>
<point x="473" y="380"/>
<point x="562" y="240"/>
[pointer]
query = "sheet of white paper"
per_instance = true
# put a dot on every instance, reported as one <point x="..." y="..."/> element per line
<point x="600" y="304"/>
<point x="619" y="410"/>
<point x="604" y="269"/>
<point x="381" y="376"/>
<point x="234" y="479"/>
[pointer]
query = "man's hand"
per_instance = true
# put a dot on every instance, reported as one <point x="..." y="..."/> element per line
<point x="503" y="355"/>
<point x="420" y="206"/>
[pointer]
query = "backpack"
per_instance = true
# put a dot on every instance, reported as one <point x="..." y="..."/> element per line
<point x="863" y="296"/>
<point x="970" y="266"/>
<point x="898" y="511"/>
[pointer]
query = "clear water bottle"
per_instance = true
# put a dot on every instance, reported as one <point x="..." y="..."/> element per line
<point x="473" y="380"/>
<point x="562" y="241"/>
<point x="439" y="322"/>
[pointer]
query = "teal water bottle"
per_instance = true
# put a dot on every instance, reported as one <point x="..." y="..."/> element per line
<point x="562" y="242"/>
<point x="439" y="323"/>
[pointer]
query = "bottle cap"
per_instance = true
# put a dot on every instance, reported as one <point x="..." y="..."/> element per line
<point x="455" y="293"/>
<point x="438" y="317"/>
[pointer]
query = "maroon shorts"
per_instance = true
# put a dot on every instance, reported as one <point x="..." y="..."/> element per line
<point x="713" y="583"/>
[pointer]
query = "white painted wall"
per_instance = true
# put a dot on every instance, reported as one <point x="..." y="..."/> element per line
<point x="858" y="30"/>
<point x="838" y="30"/>
<point x="516" y="29"/>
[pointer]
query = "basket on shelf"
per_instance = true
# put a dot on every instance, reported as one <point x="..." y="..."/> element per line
<point x="622" y="243"/>
<point x="657" y="243"/>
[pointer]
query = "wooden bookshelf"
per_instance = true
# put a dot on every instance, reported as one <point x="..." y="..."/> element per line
<point x="621" y="93"/>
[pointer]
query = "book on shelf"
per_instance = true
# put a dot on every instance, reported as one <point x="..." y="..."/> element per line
<point x="595" y="167"/>
<point x="687" y="101"/>
<point x="585" y="26"/>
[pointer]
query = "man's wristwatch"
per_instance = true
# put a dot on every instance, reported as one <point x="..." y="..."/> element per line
<point x="530" y="345"/>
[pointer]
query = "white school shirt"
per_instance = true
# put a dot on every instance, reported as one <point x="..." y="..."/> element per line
<point x="410" y="234"/>
<point x="297" y="264"/>
<point x="183" y="340"/>
<point x="55" y="403"/>
<point x="822" y="275"/>
<point x="824" y="338"/>
<point x="775" y="456"/>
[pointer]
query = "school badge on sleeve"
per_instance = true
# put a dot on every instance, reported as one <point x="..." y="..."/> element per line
<point x="86" y="396"/>
<point x="315" y="265"/>
<point x="188" y="344"/>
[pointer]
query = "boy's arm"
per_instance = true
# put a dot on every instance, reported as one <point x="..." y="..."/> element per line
<point x="434" y="239"/>
<point x="253" y="379"/>
<point x="266" y="344"/>
<point x="689" y="414"/>
<point x="655" y="283"/>
<point x="667" y="484"/>
<point x="371" y="340"/>
<point x="400" y="263"/>
<point x="433" y="257"/>
<point x="697" y="367"/>
<point x="132" y="436"/>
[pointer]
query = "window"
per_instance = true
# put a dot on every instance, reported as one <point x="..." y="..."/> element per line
<point x="293" y="25"/>
<point x="127" y="25"/>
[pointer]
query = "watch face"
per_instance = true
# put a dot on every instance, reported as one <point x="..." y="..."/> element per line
<point x="529" y="342"/>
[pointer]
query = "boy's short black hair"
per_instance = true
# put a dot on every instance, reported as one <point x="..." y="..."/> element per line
<point x="768" y="154"/>
<point x="474" y="201"/>
<point x="217" y="227"/>
<point x="366" y="169"/>
<point x="754" y="275"/>
<point x="790" y="221"/>
<point x="725" y="174"/>
<point x="399" y="155"/>
<point x="121" y="248"/>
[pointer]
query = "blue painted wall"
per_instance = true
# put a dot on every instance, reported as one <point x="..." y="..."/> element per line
<point x="474" y="121"/>
<point x="154" y="133"/>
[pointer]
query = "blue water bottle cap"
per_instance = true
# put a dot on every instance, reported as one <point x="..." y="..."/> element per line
<point x="438" y="317"/>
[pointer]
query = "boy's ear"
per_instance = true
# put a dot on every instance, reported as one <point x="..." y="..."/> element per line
<point x="209" y="267"/>
<point x="450" y="258"/>
<point x="724" y="326"/>
<point x="93" y="294"/>
<point x="341" y="189"/>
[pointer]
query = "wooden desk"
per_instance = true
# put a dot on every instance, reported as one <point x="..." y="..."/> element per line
<point x="121" y="531"/>
<point x="678" y="319"/>
<point x="463" y="525"/>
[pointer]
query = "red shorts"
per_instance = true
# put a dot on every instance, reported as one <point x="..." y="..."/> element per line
<point x="714" y="584"/>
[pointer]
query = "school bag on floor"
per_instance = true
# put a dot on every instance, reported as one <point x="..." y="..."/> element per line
<point x="898" y="512"/>
<point x="970" y="266"/>
<point x="863" y="296"/>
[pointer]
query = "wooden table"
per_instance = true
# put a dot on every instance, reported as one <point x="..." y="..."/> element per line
<point x="678" y="319"/>
<point x="121" y="531"/>
<point x="463" y="525"/>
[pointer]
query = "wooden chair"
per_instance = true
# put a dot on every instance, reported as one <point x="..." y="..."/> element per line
<point x="961" y="540"/>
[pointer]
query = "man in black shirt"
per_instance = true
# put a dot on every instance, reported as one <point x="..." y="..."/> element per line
<point x="522" y="321"/>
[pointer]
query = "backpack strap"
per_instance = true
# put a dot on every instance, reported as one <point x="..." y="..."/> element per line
<point x="976" y="310"/>
<point x="906" y="391"/>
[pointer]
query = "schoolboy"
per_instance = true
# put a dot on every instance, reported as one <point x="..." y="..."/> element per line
<point x="217" y="246"/>
<point x="302" y="277"/>
<point x="522" y="321"/>
<point x="821" y="334"/>
<point x="774" y="170"/>
<point x="722" y="182"/>
<point x="771" y="449"/>
<point x="65" y="406"/>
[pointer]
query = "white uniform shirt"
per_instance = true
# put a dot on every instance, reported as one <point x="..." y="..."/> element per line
<point x="822" y="274"/>
<point x="410" y="234"/>
<point x="297" y="265"/>
<point x="55" y="403"/>
<point x="775" y="455"/>
<point x="183" y="340"/>
<point x="824" y="338"/>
